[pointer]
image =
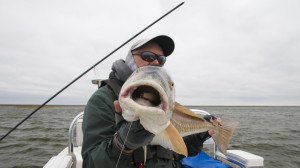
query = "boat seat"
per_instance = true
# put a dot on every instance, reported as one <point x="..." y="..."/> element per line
<point x="79" y="135"/>
<point x="75" y="140"/>
<point x="77" y="158"/>
<point x="75" y="131"/>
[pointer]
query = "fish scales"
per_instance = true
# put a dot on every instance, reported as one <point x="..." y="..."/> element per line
<point x="187" y="125"/>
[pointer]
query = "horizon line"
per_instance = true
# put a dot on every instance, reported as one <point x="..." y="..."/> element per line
<point x="184" y="105"/>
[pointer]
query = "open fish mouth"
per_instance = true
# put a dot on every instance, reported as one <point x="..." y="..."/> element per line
<point x="146" y="95"/>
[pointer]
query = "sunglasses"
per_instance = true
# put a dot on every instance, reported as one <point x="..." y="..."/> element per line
<point x="150" y="57"/>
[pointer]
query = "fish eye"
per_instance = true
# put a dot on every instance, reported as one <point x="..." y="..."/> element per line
<point x="171" y="85"/>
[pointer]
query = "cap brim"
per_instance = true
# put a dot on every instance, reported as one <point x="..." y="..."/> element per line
<point x="165" y="42"/>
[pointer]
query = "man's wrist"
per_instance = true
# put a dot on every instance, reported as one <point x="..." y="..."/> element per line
<point x="121" y="146"/>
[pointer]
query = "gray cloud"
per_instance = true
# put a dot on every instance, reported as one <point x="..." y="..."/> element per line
<point x="227" y="53"/>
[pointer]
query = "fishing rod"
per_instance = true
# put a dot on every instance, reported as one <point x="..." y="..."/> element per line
<point x="37" y="109"/>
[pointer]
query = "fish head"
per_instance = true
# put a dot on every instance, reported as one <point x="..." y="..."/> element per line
<point x="148" y="96"/>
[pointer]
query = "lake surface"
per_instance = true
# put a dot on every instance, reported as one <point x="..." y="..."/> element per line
<point x="271" y="132"/>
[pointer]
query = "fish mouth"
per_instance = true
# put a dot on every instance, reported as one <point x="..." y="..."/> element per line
<point x="146" y="95"/>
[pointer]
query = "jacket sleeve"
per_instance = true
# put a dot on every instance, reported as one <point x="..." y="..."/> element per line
<point x="195" y="142"/>
<point x="98" y="129"/>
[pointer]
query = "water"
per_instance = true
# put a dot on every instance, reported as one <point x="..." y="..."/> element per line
<point x="39" y="138"/>
<point x="271" y="132"/>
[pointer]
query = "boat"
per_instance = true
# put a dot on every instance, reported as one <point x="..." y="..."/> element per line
<point x="70" y="157"/>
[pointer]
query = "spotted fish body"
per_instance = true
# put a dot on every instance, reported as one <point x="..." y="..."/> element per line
<point x="148" y="96"/>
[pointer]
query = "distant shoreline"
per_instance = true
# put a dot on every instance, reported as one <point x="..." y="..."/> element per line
<point x="37" y="105"/>
<point x="193" y="106"/>
<point x="189" y="106"/>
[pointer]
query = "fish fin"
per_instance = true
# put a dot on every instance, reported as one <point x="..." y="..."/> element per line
<point x="223" y="134"/>
<point x="187" y="122"/>
<point x="180" y="108"/>
<point x="171" y="139"/>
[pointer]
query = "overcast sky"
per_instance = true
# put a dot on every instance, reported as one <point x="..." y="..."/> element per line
<point x="233" y="52"/>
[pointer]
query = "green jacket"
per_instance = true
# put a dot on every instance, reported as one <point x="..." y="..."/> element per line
<point x="99" y="127"/>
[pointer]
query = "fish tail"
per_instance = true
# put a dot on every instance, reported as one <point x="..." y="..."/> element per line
<point x="223" y="134"/>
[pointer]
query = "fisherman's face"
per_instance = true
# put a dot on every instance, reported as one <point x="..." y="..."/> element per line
<point x="152" y="47"/>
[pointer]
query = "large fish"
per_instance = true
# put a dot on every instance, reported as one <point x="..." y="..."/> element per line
<point x="148" y="96"/>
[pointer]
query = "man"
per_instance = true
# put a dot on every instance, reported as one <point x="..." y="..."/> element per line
<point x="104" y="136"/>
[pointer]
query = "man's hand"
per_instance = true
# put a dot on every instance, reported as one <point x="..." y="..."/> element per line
<point x="131" y="134"/>
<point x="117" y="106"/>
<point x="214" y="120"/>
